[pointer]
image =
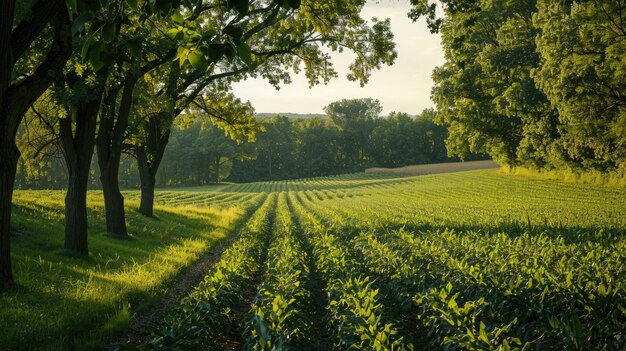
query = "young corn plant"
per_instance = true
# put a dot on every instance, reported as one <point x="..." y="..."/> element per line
<point x="277" y="320"/>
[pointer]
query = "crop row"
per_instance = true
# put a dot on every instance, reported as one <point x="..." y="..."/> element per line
<point x="355" y="311"/>
<point x="278" y="319"/>
<point x="477" y="290"/>
<point x="204" y="317"/>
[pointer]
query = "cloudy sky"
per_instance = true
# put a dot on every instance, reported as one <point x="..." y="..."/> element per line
<point x="403" y="87"/>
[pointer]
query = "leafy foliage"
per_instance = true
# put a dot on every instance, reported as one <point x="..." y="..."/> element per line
<point x="533" y="84"/>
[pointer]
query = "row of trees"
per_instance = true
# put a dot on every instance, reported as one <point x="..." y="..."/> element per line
<point x="534" y="83"/>
<point x="292" y="148"/>
<point x="200" y="153"/>
<point x="301" y="148"/>
<point x="115" y="74"/>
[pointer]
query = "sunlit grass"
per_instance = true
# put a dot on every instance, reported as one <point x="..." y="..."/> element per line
<point x="62" y="300"/>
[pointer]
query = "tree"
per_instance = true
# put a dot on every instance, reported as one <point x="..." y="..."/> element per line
<point x="77" y="128"/>
<point x="268" y="40"/>
<point x="112" y="134"/>
<point x="485" y="92"/>
<point x="38" y="142"/>
<point x="318" y="149"/>
<point x="211" y="102"/>
<point x="401" y="140"/>
<point x="536" y="84"/>
<point x="19" y="90"/>
<point x="582" y="47"/>
<point x="355" y="120"/>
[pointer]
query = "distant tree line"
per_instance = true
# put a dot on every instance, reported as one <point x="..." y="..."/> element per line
<point x="302" y="148"/>
<point x="352" y="138"/>
<point x="537" y="83"/>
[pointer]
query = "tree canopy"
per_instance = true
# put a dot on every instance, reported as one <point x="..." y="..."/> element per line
<point x="533" y="83"/>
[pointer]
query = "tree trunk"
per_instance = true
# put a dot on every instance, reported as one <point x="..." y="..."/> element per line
<point x="77" y="145"/>
<point x="216" y="169"/>
<point x="76" y="207"/>
<point x="9" y="154"/>
<point x="16" y="97"/>
<point x="149" y="155"/>
<point x="148" y="182"/>
<point x="146" y="207"/>
<point x="113" y="199"/>
<point x="109" y="144"/>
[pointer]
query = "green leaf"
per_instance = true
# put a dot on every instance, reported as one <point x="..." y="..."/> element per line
<point x="134" y="4"/>
<point x="178" y="18"/>
<point x="181" y="55"/>
<point x="175" y="34"/>
<point x="108" y="32"/>
<point x="71" y="5"/>
<point x="197" y="60"/>
<point x="85" y="48"/>
<point x="134" y="49"/>
<point x="452" y="304"/>
<point x="208" y="34"/>
<point x="482" y="333"/>
<point x="234" y="32"/>
<point x="287" y="4"/>
<point x="79" y="22"/>
<point x="230" y="52"/>
<point x="164" y="6"/>
<point x="216" y="51"/>
<point x="245" y="54"/>
<point x="95" y="52"/>
<point x="97" y="64"/>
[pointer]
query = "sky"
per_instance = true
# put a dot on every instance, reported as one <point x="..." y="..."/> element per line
<point x="403" y="87"/>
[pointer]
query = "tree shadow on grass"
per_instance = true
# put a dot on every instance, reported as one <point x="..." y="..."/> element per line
<point x="51" y="281"/>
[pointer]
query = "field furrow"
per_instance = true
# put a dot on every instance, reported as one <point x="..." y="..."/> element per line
<point x="205" y="318"/>
<point x="357" y="315"/>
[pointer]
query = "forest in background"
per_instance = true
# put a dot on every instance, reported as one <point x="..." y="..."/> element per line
<point x="286" y="148"/>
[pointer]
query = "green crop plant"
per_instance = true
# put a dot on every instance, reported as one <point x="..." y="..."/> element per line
<point x="204" y="316"/>
<point x="464" y="261"/>
<point x="277" y="320"/>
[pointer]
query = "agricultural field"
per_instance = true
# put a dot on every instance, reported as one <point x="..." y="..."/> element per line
<point x="464" y="261"/>
<point x="474" y="260"/>
<point x="435" y="168"/>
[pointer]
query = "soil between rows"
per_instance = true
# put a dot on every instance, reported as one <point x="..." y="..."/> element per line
<point x="151" y="317"/>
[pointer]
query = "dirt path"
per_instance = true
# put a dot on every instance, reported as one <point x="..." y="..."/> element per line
<point x="150" y="318"/>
